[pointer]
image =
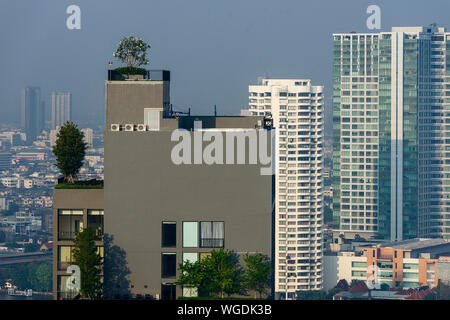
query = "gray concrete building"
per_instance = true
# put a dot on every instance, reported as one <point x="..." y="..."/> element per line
<point x="73" y="210"/>
<point x="160" y="213"/>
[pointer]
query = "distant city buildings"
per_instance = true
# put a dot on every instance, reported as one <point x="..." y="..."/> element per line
<point x="61" y="108"/>
<point x="5" y="161"/>
<point x="22" y="223"/>
<point x="297" y="110"/>
<point x="32" y="113"/>
<point x="403" y="264"/>
<point x="88" y="136"/>
<point x="390" y="108"/>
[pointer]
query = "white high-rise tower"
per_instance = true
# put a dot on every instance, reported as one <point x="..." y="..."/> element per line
<point x="297" y="110"/>
<point x="61" y="108"/>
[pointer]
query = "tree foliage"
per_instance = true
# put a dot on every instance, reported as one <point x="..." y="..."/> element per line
<point x="132" y="51"/>
<point x="69" y="150"/>
<point x="86" y="256"/>
<point x="35" y="276"/>
<point x="220" y="274"/>
<point x="43" y="277"/>
<point x="312" y="295"/>
<point x="191" y="275"/>
<point x="257" y="274"/>
<point x="223" y="272"/>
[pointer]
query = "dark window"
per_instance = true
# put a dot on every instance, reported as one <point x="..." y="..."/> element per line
<point x="168" y="265"/>
<point x="168" y="292"/>
<point x="169" y="234"/>
<point x="211" y="234"/>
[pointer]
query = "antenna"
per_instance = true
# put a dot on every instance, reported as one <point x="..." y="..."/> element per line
<point x="215" y="111"/>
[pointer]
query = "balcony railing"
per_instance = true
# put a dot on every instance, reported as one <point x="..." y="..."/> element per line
<point x="66" y="235"/>
<point x="211" y="243"/>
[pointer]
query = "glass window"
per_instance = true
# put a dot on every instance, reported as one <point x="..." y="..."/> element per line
<point x="70" y="222"/>
<point x="190" y="256"/>
<point x="190" y="292"/>
<point x="357" y="264"/>
<point x="64" y="257"/>
<point x="169" y="234"/>
<point x="211" y="234"/>
<point x="95" y="221"/>
<point x="168" y="265"/>
<point x="190" y="234"/>
<point x="70" y="212"/>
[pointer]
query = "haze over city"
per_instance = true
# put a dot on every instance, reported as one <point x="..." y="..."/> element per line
<point x="214" y="49"/>
<point x="224" y="150"/>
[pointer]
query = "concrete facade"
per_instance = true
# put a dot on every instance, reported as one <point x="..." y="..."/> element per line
<point x="144" y="188"/>
<point x="81" y="202"/>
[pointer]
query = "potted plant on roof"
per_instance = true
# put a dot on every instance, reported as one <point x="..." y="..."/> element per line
<point x="133" y="52"/>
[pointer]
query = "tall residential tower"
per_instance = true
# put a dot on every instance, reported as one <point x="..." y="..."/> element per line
<point x="61" y="108"/>
<point x="390" y="109"/>
<point x="297" y="110"/>
<point x="32" y="113"/>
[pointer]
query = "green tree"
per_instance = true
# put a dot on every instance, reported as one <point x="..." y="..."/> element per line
<point x="312" y="295"/>
<point x="32" y="247"/>
<point x="191" y="275"/>
<point x="132" y="51"/>
<point x="69" y="150"/>
<point x="257" y="273"/>
<point x="223" y="272"/>
<point x="86" y="256"/>
<point x="43" y="277"/>
<point x="21" y="277"/>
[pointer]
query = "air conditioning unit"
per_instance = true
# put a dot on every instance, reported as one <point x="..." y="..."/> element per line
<point x="115" y="127"/>
<point x="129" y="127"/>
<point x="141" y="127"/>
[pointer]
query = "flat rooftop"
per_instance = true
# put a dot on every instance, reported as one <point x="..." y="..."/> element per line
<point x="414" y="244"/>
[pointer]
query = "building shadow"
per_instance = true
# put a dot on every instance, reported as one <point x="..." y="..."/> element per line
<point x="115" y="270"/>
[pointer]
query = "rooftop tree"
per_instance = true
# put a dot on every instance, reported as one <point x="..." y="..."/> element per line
<point x="133" y="52"/>
<point x="69" y="150"/>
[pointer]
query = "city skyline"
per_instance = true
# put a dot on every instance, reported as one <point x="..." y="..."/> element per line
<point x="234" y="59"/>
<point x="125" y="132"/>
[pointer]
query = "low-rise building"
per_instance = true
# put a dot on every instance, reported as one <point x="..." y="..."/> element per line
<point x="404" y="264"/>
<point x="73" y="210"/>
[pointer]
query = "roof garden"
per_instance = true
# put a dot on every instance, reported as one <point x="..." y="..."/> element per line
<point x="81" y="184"/>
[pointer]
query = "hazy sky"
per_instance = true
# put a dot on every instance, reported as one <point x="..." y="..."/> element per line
<point x="214" y="49"/>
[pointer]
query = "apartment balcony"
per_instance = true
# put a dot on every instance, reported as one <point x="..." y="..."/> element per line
<point x="67" y="235"/>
